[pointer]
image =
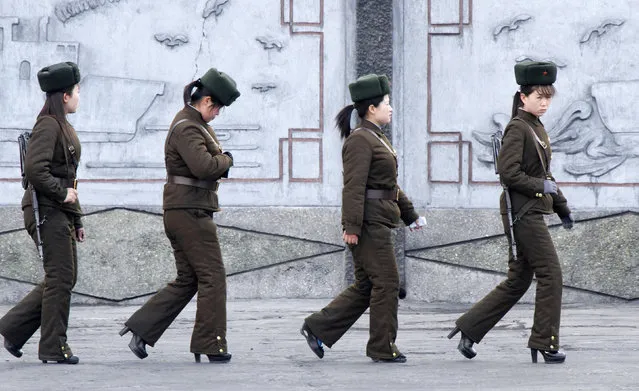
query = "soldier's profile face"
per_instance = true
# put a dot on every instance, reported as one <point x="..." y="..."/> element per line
<point x="71" y="102"/>
<point x="383" y="112"/>
<point x="209" y="110"/>
<point x="535" y="103"/>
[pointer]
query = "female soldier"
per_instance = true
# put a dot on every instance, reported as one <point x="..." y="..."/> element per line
<point x="50" y="167"/>
<point x="372" y="204"/>
<point x="194" y="164"/>
<point x="523" y="166"/>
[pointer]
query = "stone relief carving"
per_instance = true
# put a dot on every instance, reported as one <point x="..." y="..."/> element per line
<point x="214" y="7"/>
<point x="595" y="149"/>
<point x="600" y="30"/>
<point x="512" y="25"/>
<point x="67" y="10"/>
<point x="264" y="87"/>
<point x="270" y="43"/>
<point x="559" y="63"/>
<point x="171" y="41"/>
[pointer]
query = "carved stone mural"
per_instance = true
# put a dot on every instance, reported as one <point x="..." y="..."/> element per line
<point x="131" y="90"/>
<point x="469" y="84"/>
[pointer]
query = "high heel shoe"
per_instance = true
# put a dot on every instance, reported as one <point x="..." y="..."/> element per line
<point x="398" y="359"/>
<point x="137" y="344"/>
<point x="215" y="358"/>
<point x="13" y="349"/>
<point x="67" y="360"/>
<point x="550" y="357"/>
<point x="125" y="330"/>
<point x="313" y="342"/>
<point x="465" y="346"/>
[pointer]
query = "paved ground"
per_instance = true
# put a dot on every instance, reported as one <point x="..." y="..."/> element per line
<point x="602" y="343"/>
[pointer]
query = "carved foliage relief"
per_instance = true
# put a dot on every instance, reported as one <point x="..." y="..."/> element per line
<point x="592" y="122"/>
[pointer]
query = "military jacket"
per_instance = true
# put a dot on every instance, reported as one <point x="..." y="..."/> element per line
<point x="521" y="169"/>
<point x="190" y="152"/>
<point x="368" y="164"/>
<point x="50" y="167"/>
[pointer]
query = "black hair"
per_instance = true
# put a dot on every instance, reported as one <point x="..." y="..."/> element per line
<point x="54" y="107"/>
<point x="343" y="118"/>
<point x="192" y="97"/>
<point x="546" y="90"/>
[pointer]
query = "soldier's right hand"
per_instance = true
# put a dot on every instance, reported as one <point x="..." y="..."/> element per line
<point x="349" y="238"/>
<point x="550" y="187"/>
<point x="72" y="196"/>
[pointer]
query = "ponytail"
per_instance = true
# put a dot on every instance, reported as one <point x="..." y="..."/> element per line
<point x="517" y="103"/>
<point x="343" y="121"/>
<point x="343" y="118"/>
<point x="188" y="89"/>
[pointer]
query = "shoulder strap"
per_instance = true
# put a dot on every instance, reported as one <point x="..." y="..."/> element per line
<point x="537" y="144"/>
<point x="204" y="131"/>
<point x="390" y="149"/>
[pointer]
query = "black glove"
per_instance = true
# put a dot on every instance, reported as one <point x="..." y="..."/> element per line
<point x="567" y="221"/>
<point x="227" y="153"/>
<point x="550" y="187"/>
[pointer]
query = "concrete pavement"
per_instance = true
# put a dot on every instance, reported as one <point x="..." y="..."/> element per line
<point x="269" y="353"/>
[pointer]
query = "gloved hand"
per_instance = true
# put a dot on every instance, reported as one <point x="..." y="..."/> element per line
<point x="550" y="187"/>
<point x="568" y="221"/>
<point x="227" y="153"/>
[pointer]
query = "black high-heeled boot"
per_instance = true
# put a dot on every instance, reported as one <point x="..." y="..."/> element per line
<point x="67" y="360"/>
<point x="13" y="349"/>
<point x="313" y="342"/>
<point x="465" y="345"/>
<point x="215" y="358"/>
<point x="398" y="359"/>
<point x="550" y="357"/>
<point x="137" y="344"/>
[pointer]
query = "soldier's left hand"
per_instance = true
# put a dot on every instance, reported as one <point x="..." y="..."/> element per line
<point x="80" y="235"/>
<point x="568" y="221"/>
<point x="418" y="224"/>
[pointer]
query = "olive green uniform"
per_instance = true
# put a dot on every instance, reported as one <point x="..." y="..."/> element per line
<point x="521" y="169"/>
<point x="50" y="168"/>
<point x="191" y="150"/>
<point x="368" y="164"/>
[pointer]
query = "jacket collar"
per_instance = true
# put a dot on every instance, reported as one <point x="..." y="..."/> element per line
<point x="528" y="117"/>
<point x="191" y="113"/>
<point x="369" y="125"/>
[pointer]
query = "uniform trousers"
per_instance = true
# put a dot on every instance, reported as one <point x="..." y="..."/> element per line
<point x="376" y="286"/>
<point x="536" y="256"/>
<point x="198" y="259"/>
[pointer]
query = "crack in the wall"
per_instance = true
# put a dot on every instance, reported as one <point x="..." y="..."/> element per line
<point x="199" y="52"/>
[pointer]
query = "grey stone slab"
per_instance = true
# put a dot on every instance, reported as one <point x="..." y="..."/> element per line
<point x="435" y="282"/>
<point x="312" y="223"/>
<point x="11" y="218"/>
<point x="316" y="277"/>
<point x="598" y="254"/>
<point x="269" y="354"/>
<point x="127" y="254"/>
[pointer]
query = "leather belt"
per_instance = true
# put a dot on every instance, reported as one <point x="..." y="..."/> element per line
<point x="183" y="180"/>
<point x="382" y="194"/>
<point x="67" y="182"/>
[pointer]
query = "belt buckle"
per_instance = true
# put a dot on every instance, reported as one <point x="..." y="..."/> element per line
<point x="75" y="184"/>
<point x="397" y="194"/>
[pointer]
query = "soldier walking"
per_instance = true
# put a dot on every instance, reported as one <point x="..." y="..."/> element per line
<point x="372" y="204"/>
<point x="194" y="164"/>
<point x="50" y="166"/>
<point x="530" y="192"/>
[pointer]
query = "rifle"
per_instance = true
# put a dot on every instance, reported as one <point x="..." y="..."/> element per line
<point x="496" y="139"/>
<point x="23" y="142"/>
